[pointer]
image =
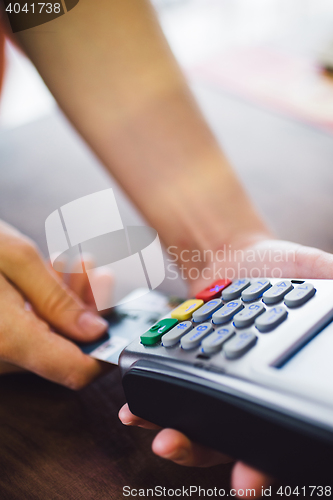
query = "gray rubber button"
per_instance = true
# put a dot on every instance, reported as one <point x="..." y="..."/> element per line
<point x="227" y="312"/>
<point x="277" y="292"/>
<point x="173" y="337"/>
<point x="254" y="291"/>
<point x="234" y="290"/>
<point x="247" y="316"/>
<point x="213" y="343"/>
<point x="205" y="311"/>
<point x="194" y="337"/>
<point x="299" y="295"/>
<point x="239" y="344"/>
<point x="271" y="318"/>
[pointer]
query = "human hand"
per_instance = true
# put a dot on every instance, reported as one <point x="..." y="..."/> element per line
<point x="262" y="258"/>
<point x="175" y="446"/>
<point x="267" y="257"/>
<point x="40" y="316"/>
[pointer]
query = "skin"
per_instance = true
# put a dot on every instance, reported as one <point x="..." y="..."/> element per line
<point x="40" y="337"/>
<point x="297" y="261"/>
<point x="141" y="120"/>
<point x="31" y="342"/>
<point x="115" y="78"/>
<point x="2" y="57"/>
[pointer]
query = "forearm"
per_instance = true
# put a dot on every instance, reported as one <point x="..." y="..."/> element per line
<point x="110" y="69"/>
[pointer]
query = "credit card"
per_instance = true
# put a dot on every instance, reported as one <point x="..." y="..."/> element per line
<point x="129" y="320"/>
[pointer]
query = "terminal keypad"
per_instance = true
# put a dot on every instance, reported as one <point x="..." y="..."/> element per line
<point x="229" y="324"/>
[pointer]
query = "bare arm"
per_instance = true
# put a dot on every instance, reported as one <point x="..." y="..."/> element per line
<point x="111" y="70"/>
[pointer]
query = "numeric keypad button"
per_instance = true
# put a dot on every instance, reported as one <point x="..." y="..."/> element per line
<point x="299" y="295"/>
<point x="255" y="290"/>
<point x="194" y="337"/>
<point x="214" y="342"/>
<point x="247" y="316"/>
<point x="235" y="289"/>
<point x="239" y="344"/>
<point x="173" y="336"/>
<point x="227" y="312"/>
<point x="206" y="310"/>
<point x="271" y="319"/>
<point x="277" y="292"/>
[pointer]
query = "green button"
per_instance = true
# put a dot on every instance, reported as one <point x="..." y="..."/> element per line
<point x="155" y="333"/>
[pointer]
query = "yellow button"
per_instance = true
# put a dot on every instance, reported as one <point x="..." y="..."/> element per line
<point x="186" y="309"/>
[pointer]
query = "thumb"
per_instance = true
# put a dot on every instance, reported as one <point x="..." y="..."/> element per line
<point x="51" y="299"/>
<point x="313" y="263"/>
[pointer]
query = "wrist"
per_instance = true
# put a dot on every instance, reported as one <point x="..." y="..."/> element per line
<point x="207" y="212"/>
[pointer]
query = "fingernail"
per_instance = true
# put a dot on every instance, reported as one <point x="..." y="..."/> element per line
<point x="122" y="416"/>
<point x="128" y="422"/>
<point x="91" y="323"/>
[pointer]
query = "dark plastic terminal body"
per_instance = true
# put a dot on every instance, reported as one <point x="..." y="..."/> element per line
<point x="290" y="449"/>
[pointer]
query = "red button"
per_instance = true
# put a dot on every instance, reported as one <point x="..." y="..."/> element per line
<point x="213" y="291"/>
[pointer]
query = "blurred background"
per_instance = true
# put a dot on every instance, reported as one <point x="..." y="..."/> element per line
<point x="256" y="68"/>
<point x="197" y="30"/>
